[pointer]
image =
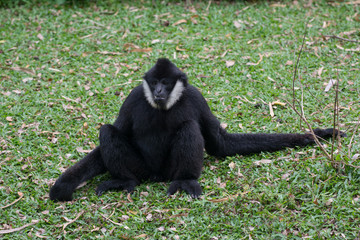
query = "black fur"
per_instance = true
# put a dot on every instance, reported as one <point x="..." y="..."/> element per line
<point x="156" y="141"/>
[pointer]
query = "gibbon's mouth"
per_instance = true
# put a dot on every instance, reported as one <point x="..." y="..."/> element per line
<point x="158" y="98"/>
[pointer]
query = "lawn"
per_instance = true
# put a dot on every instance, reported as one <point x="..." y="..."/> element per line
<point x="66" y="69"/>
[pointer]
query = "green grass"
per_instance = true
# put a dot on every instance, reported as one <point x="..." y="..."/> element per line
<point x="55" y="77"/>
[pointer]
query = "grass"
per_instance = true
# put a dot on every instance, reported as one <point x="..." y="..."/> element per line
<point x="66" y="69"/>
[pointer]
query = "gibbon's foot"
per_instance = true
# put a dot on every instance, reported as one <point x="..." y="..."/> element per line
<point x="328" y="133"/>
<point x="61" y="192"/>
<point x="192" y="187"/>
<point x="116" y="184"/>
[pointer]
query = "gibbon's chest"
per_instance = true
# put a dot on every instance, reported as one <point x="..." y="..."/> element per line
<point x="153" y="133"/>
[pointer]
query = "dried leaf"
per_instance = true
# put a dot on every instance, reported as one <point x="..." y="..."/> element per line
<point x="230" y="63"/>
<point x="289" y="63"/>
<point x="9" y="119"/>
<point x="277" y="5"/>
<point x="254" y="64"/>
<point x="141" y="236"/>
<point x="353" y="2"/>
<point x="263" y="161"/>
<point x="219" y="200"/>
<point x="271" y="110"/>
<point x="237" y="23"/>
<point x="81" y="150"/>
<point x="278" y="103"/>
<point x="129" y="198"/>
<point x="161" y="228"/>
<point x="179" y="22"/>
<point x="329" y="85"/>
<point x="285" y="176"/>
<point x="27" y="79"/>
<point x="141" y="50"/>
<point x="179" y="49"/>
<point x="232" y="165"/>
<point x="40" y="36"/>
<point x="155" y="41"/>
<point x="329" y="202"/>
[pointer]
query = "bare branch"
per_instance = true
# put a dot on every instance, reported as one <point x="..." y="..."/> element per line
<point x="311" y="131"/>
<point x="341" y="38"/>
<point x="297" y="63"/>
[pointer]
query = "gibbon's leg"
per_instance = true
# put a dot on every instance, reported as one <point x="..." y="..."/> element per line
<point x="122" y="161"/>
<point x="220" y="143"/>
<point x="87" y="168"/>
<point x="186" y="160"/>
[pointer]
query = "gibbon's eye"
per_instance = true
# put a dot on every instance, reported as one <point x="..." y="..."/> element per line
<point x="153" y="83"/>
<point x="165" y="82"/>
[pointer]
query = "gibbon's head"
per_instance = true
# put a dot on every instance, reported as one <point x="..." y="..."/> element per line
<point x="163" y="84"/>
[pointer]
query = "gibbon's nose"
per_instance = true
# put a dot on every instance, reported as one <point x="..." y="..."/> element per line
<point x="158" y="90"/>
<point x="158" y="93"/>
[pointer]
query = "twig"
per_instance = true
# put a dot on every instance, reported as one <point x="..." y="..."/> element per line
<point x="108" y="219"/>
<point x="19" y="228"/>
<point x="336" y="114"/>
<point x="208" y="6"/>
<point x="352" y="138"/>
<point x="21" y="196"/>
<point x="297" y="64"/>
<point x="341" y="38"/>
<point x="66" y="224"/>
<point x="311" y="131"/>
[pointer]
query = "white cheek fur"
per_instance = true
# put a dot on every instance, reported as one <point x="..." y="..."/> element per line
<point x="175" y="94"/>
<point x="148" y="95"/>
<point x="173" y="97"/>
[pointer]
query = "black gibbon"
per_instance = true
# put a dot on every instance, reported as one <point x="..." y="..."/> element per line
<point x="160" y="134"/>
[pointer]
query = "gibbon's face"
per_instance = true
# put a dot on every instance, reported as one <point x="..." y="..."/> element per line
<point x="162" y="93"/>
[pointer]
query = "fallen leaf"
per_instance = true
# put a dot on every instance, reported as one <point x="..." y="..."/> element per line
<point x="155" y="41"/>
<point x="237" y="23"/>
<point x="40" y="36"/>
<point x="232" y="165"/>
<point x="353" y="2"/>
<point x="141" y="236"/>
<point x="329" y="202"/>
<point x="263" y="161"/>
<point x="179" y="22"/>
<point x="285" y="176"/>
<point x="277" y="5"/>
<point x="179" y="49"/>
<point x="289" y="63"/>
<point x="161" y="228"/>
<point x="271" y="110"/>
<point x="254" y="64"/>
<point x="329" y="85"/>
<point x="141" y="50"/>
<point x="81" y="150"/>
<point x="223" y="125"/>
<point x="230" y="63"/>
<point x="9" y="119"/>
<point x="278" y="103"/>
<point x="27" y="79"/>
